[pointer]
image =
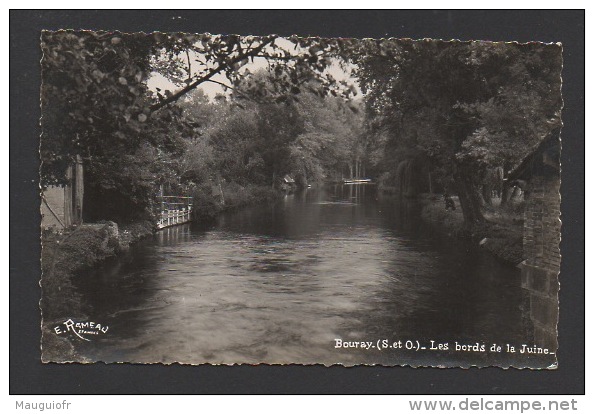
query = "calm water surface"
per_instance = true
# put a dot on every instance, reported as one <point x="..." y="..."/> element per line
<point x="279" y="283"/>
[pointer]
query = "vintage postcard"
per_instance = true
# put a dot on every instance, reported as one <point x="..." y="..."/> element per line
<point x="228" y="199"/>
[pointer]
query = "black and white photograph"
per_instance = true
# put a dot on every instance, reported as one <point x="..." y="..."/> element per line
<point x="234" y="199"/>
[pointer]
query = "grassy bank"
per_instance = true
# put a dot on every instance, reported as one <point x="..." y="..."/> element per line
<point x="211" y="200"/>
<point x="501" y="234"/>
<point x="67" y="255"/>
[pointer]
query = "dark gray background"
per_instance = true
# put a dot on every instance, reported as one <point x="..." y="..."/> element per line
<point x="29" y="376"/>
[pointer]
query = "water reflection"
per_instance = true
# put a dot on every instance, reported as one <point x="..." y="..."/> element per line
<point x="279" y="283"/>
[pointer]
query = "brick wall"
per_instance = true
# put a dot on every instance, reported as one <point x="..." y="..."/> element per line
<point x="540" y="270"/>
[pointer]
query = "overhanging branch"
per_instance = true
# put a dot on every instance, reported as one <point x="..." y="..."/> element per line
<point x="225" y="65"/>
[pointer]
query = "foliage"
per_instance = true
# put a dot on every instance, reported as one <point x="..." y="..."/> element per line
<point x="464" y="106"/>
<point x="190" y="60"/>
<point x="234" y="196"/>
<point x="92" y="97"/>
<point x="461" y="107"/>
<point x="332" y="137"/>
<point x="96" y="105"/>
<point x="309" y="137"/>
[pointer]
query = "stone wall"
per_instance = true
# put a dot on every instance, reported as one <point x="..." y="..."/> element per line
<point x="540" y="270"/>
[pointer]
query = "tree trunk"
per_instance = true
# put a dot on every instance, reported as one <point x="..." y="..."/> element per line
<point x="469" y="201"/>
<point x="487" y="193"/>
<point x="505" y="194"/>
<point x="78" y="191"/>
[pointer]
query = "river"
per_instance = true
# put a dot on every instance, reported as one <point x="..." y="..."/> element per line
<point x="281" y="283"/>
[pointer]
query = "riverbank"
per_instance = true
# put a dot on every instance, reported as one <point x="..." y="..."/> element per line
<point x="501" y="234"/>
<point x="67" y="255"/>
<point x="211" y="200"/>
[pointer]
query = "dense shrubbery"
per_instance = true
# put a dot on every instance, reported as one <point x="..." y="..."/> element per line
<point x="64" y="256"/>
<point x="434" y="212"/>
<point x="501" y="234"/>
<point x="470" y="110"/>
<point x="208" y="201"/>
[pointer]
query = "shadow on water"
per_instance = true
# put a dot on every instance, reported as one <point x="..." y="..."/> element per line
<point x="280" y="283"/>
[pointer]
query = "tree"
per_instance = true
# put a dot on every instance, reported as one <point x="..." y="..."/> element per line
<point x="190" y="60"/>
<point x="332" y="136"/>
<point x="466" y="106"/>
<point x="96" y="104"/>
<point x="92" y="96"/>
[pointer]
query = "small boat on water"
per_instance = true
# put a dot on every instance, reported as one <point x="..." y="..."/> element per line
<point x="358" y="181"/>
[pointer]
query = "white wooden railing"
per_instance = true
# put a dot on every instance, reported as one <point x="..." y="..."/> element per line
<point x="174" y="210"/>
